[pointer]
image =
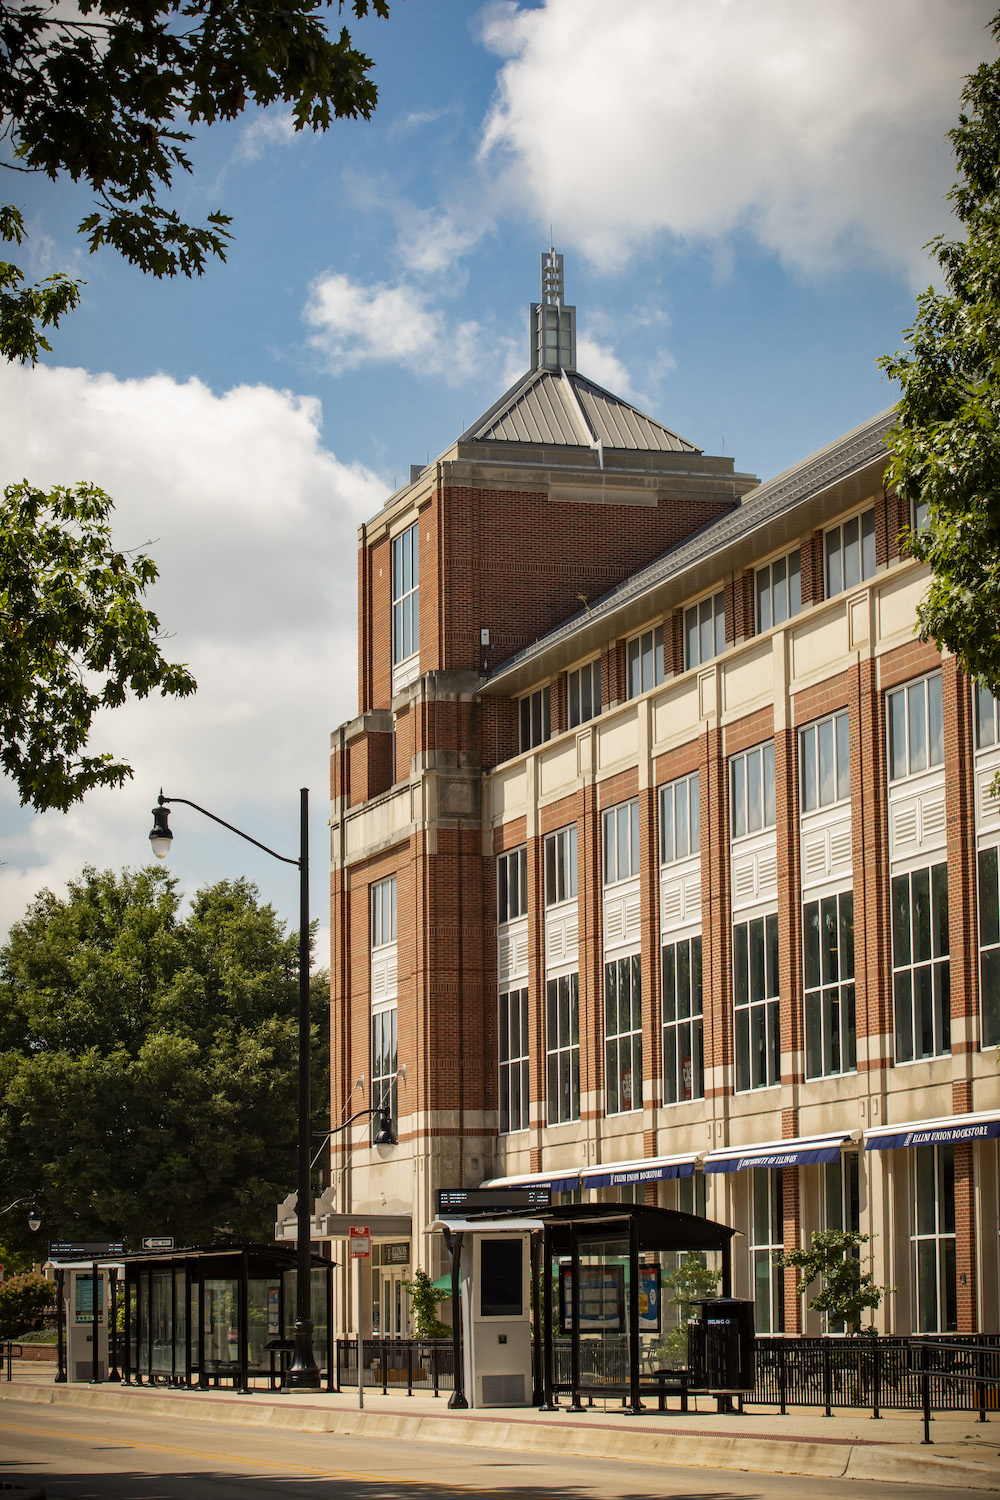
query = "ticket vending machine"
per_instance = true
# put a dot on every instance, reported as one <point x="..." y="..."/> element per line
<point x="82" y="1326"/>
<point x="496" y="1315"/>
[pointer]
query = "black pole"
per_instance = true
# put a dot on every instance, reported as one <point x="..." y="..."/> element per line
<point x="548" y="1353"/>
<point x="114" y="1376"/>
<point x="634" y="1340"/>
<point x="303" y="1373"/>
<point x="95" y="1367"/>
<point x="574" y="1347"/>
<point x="457" y="1400"/>
<point x="60" y="1338"/>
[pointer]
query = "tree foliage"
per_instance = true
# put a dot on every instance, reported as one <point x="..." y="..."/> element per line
<point x="24" y="1300"/>
<point x="945" y="447"/>
<point x="102" y="91"/>
<point x="424" y="1301"/>
<point x="74" y="637"/>
<point x="690" y="1279"/>
<point x="847" y="1289"/>
<point x="148" y="1062"/>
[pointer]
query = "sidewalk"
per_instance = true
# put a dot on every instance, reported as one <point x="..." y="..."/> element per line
<point x="965" y="1453"/>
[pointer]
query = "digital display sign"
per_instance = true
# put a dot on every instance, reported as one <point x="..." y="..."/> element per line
<point x="491" y="1200"/>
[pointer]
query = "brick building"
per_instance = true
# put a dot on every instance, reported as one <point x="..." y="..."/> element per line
<point x="663" y="856"/>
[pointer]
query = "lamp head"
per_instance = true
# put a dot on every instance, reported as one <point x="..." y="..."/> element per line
<point x="34" y="1216"/>
<point x="385" y="1140"/>
<point x="160" y="836"/>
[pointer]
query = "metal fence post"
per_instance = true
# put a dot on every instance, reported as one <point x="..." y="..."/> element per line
<point x="925" y="1387"/>
<point x="385" y="1369"/>
<point x="409" y="1368"/>
<point x="876" y="1378"/>
<point x="783" y="1377"/>
<point x="435" y="1370"/>
<point x="827" y="1379"/>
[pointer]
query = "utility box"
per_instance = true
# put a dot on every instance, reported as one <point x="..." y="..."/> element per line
<point x="721" y="1352"/>
<point x="496" y="1316"/>
<point x="82" y="1326"/>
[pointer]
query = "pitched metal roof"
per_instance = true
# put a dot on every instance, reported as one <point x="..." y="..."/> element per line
<point x="562" y="407"/>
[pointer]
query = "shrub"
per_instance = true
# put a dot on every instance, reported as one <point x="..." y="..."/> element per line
<point x="24" y="1301"/>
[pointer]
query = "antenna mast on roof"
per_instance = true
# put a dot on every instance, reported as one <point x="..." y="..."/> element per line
<point x="552" y="326"/>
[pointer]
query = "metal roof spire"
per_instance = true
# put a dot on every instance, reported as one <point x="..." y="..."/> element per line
<point x="552" y="326"/>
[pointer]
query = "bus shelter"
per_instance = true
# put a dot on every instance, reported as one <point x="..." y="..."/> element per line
<point x="608" y="1313"/>
<point x="214" y="1315"/>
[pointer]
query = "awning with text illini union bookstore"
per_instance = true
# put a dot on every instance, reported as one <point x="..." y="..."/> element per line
<point x="978" y="1127"/>
<point x="803" y="1152"/>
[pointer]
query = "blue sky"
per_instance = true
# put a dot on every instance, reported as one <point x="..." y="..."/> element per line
<point x="741" y="189"/>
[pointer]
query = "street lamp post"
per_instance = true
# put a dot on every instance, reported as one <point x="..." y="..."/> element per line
<point x="34" y="1217"/>
<point x="303" y="1373"/>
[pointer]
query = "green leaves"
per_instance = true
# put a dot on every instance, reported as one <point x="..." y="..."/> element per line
<point x="847" y="1290"/>
<point x="74" y="637"/>
<point x="945" y="447"/>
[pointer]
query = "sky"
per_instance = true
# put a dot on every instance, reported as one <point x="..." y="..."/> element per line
<point x="742" y="190"/>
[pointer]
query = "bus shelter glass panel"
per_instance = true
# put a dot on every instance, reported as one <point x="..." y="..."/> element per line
<point x="603" y="1311"/>
<point x="669" y="1280"/>
<point x="263" y="1300"/>
<point x="220" y="1311"/>
<point x="162" y="1323"/>
<point x="318" y="1304"/>
<point x="134" y="1335"/>
<point x="180" y="1322"/>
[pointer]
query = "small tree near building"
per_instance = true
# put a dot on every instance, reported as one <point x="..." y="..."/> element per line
<point x="424" y="1300"/>
<point x="24" y="1301"/>
<point x="846" y="1290"/>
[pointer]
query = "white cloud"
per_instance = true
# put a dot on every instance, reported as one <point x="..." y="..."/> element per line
<point x="252" y="523"/>
<point x="382" y="324"/>
<point x="600" y="364"/>
<point x="268" y="127"/>
<point x="818" y="129"/>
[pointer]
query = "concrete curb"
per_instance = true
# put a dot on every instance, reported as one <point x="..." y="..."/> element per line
<point x="752" y="1454"/>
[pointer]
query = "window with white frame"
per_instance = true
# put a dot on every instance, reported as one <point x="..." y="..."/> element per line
<point x="406" y="594"/>
<point x="621" y="842"/>
<point x="512" y="885"/>
<point x="513" y="1046"/>
<point x="842" y="1193"/>
<point x="828" y="960"/>
<point x="989" y="946"/>
<point x="850" y="553"/>
<point x="560" y="866"/>
<point x="825" y="762"/>
<point x="916" y="727"/>
<point x="921" y="515"/>
<point x="751" y="786"/>
<point x="935" y="1282"/>
<point x="779" y="590"/>
<point x="920" y="965"/>
<point x="535" y="718"/>
<point x="583" y="693"/>
<point x="680" y="819"/>
<point x="622" y="1035"/>
<point x="692" y="1194"/>
<point x="383" y="910"/>
<point x="766" y="1239"/>
<point x="705" y="630"/>
<point x="987" y="725"/>
<point x="562" y="1049"/>
<point x="755" y="1003"/>
<point x="384" y="1064"/>
<point x="645" y="661"/>
<point x="683" y="1023"/>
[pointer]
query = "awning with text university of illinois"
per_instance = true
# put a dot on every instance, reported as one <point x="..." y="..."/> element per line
<point x="802" y="1151"/>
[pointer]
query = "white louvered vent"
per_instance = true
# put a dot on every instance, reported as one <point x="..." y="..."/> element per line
<point x="384" y="973"/>
<point x="989" y="805"/>
<point x="841" y="852"/>
<point x="767" y="874"/>
<point x="633" y="915"/>
<point x="814" y="858"/>
<point x="512" y="950"/>
<point x="743" y="878"/>
<point x="672" y="902"/>
<point x="614" y="922"/>
<point x="932" y="819"/>
<point x="904" y="825"/>
<point x="692" y="895"/>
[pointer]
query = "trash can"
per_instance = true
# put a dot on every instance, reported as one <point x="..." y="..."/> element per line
<point x="721" y="1345"/>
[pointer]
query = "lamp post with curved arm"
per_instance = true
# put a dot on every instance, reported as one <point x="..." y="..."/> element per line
<point x="303" y="1373"/>
<point x="34" y="1217"/>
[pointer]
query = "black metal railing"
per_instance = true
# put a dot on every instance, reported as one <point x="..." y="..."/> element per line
<point x="9" y="1352"/>
<point x="397" y="1364"/>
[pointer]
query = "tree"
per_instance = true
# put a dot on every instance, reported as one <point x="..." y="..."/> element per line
<point x="148" y="1062"/>
<point x="100" y="92"/>
<point x="945" y="446"/>
<point x="70" y="615"/>
<point x="690" y="1279"/>
<point x="846" y="1289"/>
<point x="24" y="1301"/>
<point x="424" y="1300"/>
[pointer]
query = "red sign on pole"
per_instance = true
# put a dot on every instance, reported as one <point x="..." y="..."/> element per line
<point x="361" y="1242"/>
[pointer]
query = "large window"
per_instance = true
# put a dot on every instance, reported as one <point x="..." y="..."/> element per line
<point x="645" y="661"/>
<point x="583" y="693"/>
<point x="384" y="1065"/>
<point x="383" y="903"/>
<point x="920" y="966"/>
<point x="680" y="819"/>
<point x="987" y="726"/>
<point x="683" y="1027"/>
<point x="828" y="953"/>
<point x="766" y="1238"/>
<point x="755" y="1003"/>
<point x="850" y="553"/>
<point x="705" y="630"/>
<point x="562" y="1049"/>
<point x="535" y="718"/>
<point x="621" y="842"/>
<point x="622" y="1035"/>
<point x="825" y="762"/>
<point x="560" y="866"/>
<point x="933" y="1240"/>
<point x="513" y="1039"/>
<point x="751" y="785"/>
<point x="512" y="885"/>
<point x="989" y="945"/>
<point x="779" y="591"/>
<point x="406" y="594"/>
<point x="916" y="727"/>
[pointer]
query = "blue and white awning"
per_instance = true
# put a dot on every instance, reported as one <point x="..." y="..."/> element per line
<point x="802" y="1152"/>
<point x="978" y="1127"/>
<point x="631" y="1173"/>
<point x="560" y="1180"/>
